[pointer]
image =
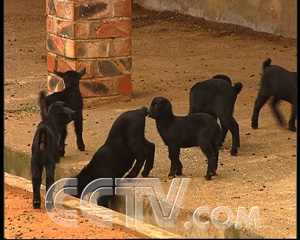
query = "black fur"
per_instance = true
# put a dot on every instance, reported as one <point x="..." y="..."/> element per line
<point x="217" y="98"/>
<point x="44" y="148"/>
<point x="72" y="96"/>
<point x="125" y="143"/>
<point x="282" y="85"/>
<point x="177" y="132"/>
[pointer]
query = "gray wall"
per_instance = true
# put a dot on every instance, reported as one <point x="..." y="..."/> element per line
<point x="278" y="17"/>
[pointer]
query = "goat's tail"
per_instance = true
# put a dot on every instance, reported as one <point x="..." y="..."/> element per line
<point x="267" y="63"/>
<point x="42" y="140"/>
<point x="43" y="105"/>
<point x="238" y="87"/>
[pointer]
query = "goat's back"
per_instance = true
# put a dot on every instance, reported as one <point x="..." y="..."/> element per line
<point x="44" y="145"/>
<point x="206" y="95"/>
<point x="128" y="124"/>
<point x="280" y="82"/>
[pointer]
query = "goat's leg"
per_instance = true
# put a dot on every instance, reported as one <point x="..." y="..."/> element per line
<point x="139" y="151"/>
<point x="260" y="101"/>
<point x="216" y="160"/>
<point x="224" y="131"/>
<point x="292" y="126"/>
<point x="137" y="167"/>
<point x="150" y="152"/>
<point x="208" y="149"/>
<point x="174" y="157"/>
<point x="61" y="144"/>
<point x="178" y="167"/>
<point x="230" y="123"/>
<point x="36" y="173"/>
<point x="278" y="115"/>
<point x="78" y="124"/>
<point x="50" y="171"/>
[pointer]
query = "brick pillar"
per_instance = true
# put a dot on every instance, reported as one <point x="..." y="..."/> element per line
<point x="95" y="34"/>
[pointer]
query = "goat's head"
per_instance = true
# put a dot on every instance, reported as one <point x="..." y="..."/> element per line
<point x="71" y="77"/>
<point x="160" y="107"/>
<point x="61" y="111"/>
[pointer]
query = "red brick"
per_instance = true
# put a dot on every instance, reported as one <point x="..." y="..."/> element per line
<point x="82" y="30"/>
<point x="92" y="49"/>
<point x="60" y="9"/>
<point x="96" y="87"/>
<point x="114" y="67"/>
<point x="65" y="64"/>
<point x="70" y="49"/>
<point x="55" y="44"/>
<point x="92" y="10"/>
<point x="51" y="62"/>
<point x="91" y="67"/>
<point x="122" y="47"/>
<point x="125" y="85"/>
<point x="114" y="28"/>
<point x="55" y="83"/>
<point x="122" y="8"/>
<point x="50" y="24"/>
<point x="69" y="11"/>
<point x="50" y="7"/>
<point x="65" y="28"/>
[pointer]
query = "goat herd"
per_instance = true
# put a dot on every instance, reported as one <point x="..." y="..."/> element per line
<point x="209" y="100"/>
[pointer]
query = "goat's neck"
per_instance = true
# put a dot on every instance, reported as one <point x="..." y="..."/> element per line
<point x="164" y="122"/>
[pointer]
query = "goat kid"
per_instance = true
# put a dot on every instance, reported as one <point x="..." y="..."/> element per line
<point x="72" y="96"/>
<point x="177" y="132"/>
<point x="282" y="85"/>
<point x="44" y="148"/>
<point x="217" y="97"/>
<point x="125" y="143"/>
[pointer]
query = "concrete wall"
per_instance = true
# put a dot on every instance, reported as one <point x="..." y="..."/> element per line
<point x="277" y="17"/>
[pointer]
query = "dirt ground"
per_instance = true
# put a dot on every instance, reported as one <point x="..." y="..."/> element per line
<point x="171" y="52"/>
<point x="21" y="222"/>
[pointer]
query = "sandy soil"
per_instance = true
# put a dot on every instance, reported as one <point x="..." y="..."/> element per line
<point x="21" y="222"/>
<point x="171" y="52"/>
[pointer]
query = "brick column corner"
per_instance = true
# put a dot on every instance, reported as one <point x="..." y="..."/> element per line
<point x="95" y="34"/>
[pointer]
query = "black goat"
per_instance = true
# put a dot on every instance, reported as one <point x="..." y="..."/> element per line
<point x="217" y="97"/>
<point x="44" y="148"/>
<point x="72" y="96"/>
<point x="125" y="143"/>
<point x="282" y="85"/>
<point x="198" y="129"/>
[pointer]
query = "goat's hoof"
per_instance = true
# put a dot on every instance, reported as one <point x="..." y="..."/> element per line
<point x="179" y="172"/>
<point x="145" y="173"/>
<point x="36" y="204"/>
<point x="292" y="128"/>
<point x="61" y="153"/>
<point x="214" y="174"/>
<point x="208" y="177"/>
<point x="233" y="152"/>
<point x="254" y="126"/>
<point x="81" y="147"/>
<point x="170" y="176"/>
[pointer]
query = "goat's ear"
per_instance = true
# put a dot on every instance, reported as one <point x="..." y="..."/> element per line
<point x="67" y="110"/>
<point x="82" y="71"/>
<point x="58" y="73"/>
